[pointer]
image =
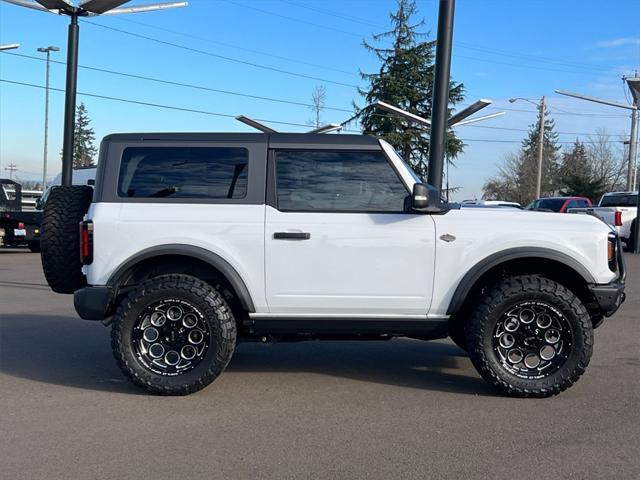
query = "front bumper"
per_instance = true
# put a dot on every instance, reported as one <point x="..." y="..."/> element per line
<point x="93" y="303"/>
<point x="610" y="296"/>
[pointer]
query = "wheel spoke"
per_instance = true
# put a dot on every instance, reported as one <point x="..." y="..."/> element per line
<point x="171" y="337"/>
<point x="529" y="337"/>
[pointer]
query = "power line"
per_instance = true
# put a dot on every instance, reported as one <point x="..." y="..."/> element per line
<point x="331" y="13"/>
<point x="180" y="84"/>
<point x="536" y="58"/>
<point x="224" y="44"/>
<point x="246" y="95"/>
<point x="299" y="74"/>
<point x="225" y="115"/>
<point x="150" y="104"/>
<point x="298" y="20"/>
<point x="223" y="57"/>
<point x="540" y="59"/>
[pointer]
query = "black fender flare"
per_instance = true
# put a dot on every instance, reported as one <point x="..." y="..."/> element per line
<point x="214" y="260"/>
<point x="483" y="266"/>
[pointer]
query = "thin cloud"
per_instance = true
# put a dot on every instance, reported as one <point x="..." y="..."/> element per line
<point x="619" y="42"/>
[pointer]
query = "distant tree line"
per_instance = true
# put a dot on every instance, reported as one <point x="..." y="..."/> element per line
<point x="586" y="169"/>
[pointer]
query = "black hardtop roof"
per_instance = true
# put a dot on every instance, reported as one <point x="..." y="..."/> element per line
<point x="281" y="139"/>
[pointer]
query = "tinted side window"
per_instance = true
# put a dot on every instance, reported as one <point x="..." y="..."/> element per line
<point x="337" y="181"/>
<point x="183" y="172"/>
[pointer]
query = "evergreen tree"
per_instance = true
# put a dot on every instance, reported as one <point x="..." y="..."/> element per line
<point x="83" y="148"/>
<point x="577" y="175"/>
<point x="405" y="80"/>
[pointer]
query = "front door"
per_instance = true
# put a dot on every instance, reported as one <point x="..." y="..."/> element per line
<point x="339" y="240"/>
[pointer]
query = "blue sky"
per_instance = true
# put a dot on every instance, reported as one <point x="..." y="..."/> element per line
<point x="502" y="49"/>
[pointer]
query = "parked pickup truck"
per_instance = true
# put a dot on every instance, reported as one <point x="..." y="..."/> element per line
<point x="17" y="228"/>
<point x="618" y="209"/>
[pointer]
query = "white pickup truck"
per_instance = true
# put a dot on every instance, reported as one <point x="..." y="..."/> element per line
<point x="618" y="209"/>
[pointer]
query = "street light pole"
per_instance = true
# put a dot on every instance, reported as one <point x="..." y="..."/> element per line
<point x="440" y="102"/>
<point x="70" y="99"/>
<point x="48" y="51"/>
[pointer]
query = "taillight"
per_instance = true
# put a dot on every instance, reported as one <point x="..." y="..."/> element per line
<point x="612" y="245"/>
<point x="86" y="242"/>
<point x="618" y="219"/>
<point x="21" y="225"/>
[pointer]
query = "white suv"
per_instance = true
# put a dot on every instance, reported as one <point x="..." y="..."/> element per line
<point x="194" y="242"/>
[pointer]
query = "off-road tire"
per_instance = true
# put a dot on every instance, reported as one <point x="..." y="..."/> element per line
<point x="60" y="237"/>
<point x="34" y="246"/>
<point x="217" y="314"/>
<point x="496" y="301"/>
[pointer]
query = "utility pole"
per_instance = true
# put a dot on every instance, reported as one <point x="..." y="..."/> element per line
<point x="12" y="168"/>
<point x="633" y="145"/>
<point x="543" y="108"/>
<point x="48" y="51"/>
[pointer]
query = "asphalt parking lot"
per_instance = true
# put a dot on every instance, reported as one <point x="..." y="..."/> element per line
<point x="398" y="409"/>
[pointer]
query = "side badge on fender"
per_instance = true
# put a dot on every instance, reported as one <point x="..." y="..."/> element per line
<point x="447" y="238"/>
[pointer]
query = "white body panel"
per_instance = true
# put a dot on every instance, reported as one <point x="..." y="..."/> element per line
<point x="352" y="264"/>
<point x="483" y="232"/>
<point x="234" y="232"/>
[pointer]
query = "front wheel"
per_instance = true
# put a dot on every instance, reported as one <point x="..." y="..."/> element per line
<point x="173" y="335"/>
<point x="530" y="337"/>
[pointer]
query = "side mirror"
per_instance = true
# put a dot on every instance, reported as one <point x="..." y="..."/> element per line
<point x="425" y="198"/>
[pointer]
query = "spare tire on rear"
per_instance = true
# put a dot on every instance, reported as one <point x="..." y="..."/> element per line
<point x="60" y="238"/>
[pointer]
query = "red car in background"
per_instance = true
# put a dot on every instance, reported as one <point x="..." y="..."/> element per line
<point x="559" y="204"/>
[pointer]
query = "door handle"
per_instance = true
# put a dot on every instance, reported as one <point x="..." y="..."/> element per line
<point x="291" y="236"/>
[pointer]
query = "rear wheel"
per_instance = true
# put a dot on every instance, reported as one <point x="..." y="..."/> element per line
<point x="60" y="239"/>
<point x="173" y="335"/>
<point x="530" y="337"/>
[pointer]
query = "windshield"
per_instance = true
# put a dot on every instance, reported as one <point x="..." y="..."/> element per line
<point x="630" y="200"/>
<point x="553" y="204"/>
